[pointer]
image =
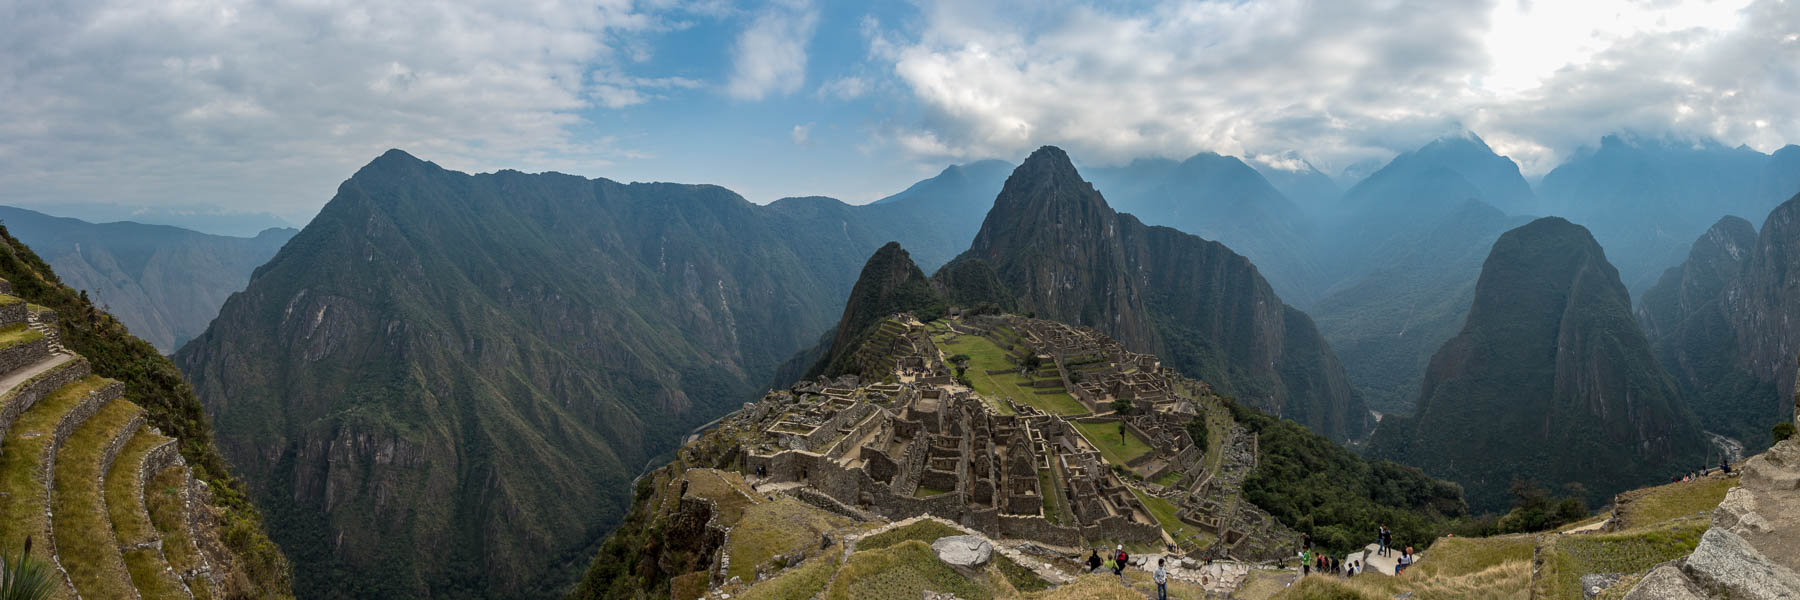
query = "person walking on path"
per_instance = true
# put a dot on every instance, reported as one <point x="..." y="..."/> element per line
<point x="1093" y="560"/>
<point x="1162" y="580"/>
<point x="1120" y="562"/>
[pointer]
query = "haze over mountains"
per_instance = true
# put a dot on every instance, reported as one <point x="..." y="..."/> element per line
<point x="165" y="283"/>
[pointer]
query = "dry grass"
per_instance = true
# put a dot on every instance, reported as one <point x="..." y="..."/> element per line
<point x="1652" y="506"/>
<point x="1497" y="568"/>
<point x="903" y="571"/>
<point x="780" y="527"/>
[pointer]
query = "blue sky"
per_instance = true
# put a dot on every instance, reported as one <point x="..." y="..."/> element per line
<point x="264" y="106"/>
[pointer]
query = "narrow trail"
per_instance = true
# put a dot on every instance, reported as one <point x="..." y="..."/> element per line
<point x="1732" y="449"/>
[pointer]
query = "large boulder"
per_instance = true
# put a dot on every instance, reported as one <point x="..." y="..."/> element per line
<point x="964" y="551"/>
<point x="1726" y="565"/>
<point x="1665" y="583"/>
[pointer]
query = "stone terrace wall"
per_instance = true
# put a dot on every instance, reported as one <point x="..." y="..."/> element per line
<point x="19" y="356"/>
<point x="13" y="313"/>
<point x="30" y="391"/>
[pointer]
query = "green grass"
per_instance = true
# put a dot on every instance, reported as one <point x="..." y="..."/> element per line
<point x="778" y="527"/>
<point x="130" y="522"/>
<point x="1164" y="512"/>
<point x="162" y="496"/>
<point x="927" y="531"/>
<point x="925" y="492"/>
<point x="1664" y="503"/>
<point x="903" y="571"/>
<point x="84" y="537"/>
<point x="799" y="583"/>
<point x="6" y="300"/>
<point x="22" y="458"/>
<point x="1117" y="448"/>
<point x="1167" y="479"/>
<point x="1629" y="552"/>
<point x="724" y="488"/>
<point x="18" y="333"/>
<point x="1021" y="578"/>
<point x="985" y="355"/>
<point x="1055" y="509"/>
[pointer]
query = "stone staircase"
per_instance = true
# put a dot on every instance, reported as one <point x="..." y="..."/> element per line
<point x="105" y="497"/>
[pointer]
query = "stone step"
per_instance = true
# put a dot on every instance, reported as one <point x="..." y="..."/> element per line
<point x="79" y="525"/>
<point x="23" y="388"/>
<point x="28" y="458"/>
<point x="168" y="494"/>
<point x="145" y="453"/>
<point x="43" y="320"/>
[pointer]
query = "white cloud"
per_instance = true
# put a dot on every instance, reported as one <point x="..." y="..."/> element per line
<point x="802" y="134"/>
<point x="1339" y="81"/>
<point x="182" y="99"/>
<point x="770" y="55"/>
<point x="848" y="87"/>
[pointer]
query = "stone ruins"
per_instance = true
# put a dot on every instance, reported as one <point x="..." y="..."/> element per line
<point x="918" y="434"/>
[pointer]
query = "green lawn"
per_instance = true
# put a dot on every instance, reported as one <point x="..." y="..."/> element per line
<point x="22" y="458"/>
<point x="1117" y="448"/>
<point x="985" y="355"/>
<point x="18" y="333"/>
<point x="1165" y="515"/>
<point x="927" y="531"/>
<point x="1054" y="509"/>
<point x="778" y="527"/>
<point x="1167" y="479"/>
<point x="84" y="536"/>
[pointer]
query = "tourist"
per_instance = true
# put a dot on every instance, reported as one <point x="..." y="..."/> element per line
<point x="1725" y="467"/>
<point x="1120" y="562"/>
<point x="1162" y="580"/>
<point x="1093" y="560"/>
<point x="1383" y="538"/>
<point x="1305" y="562"/>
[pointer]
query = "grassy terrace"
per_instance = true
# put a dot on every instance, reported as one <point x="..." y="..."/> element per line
<point x="18" y="333"/>
<point x="1118" y="448"/>
<point x="1164" y="512"/>
<point x="985" y="355"/>
<point x="1055" y="509"/>
<point x="778" y="527"/>
<point x="21" y="459"/>
<point x="125" y="508"/>
<point x="1668" y="502"/>
<point x="162" y="495"/>
<point x="84" y="539"/>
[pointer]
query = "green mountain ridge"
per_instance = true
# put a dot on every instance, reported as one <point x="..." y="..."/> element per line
<point x="1550" y="380"/>
<point x="444" y="384"/>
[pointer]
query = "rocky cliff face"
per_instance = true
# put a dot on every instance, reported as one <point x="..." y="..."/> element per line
<point x="1062" y="253"/>
<point x="444" y="385"/>
<point x="165" y="283"/>
<point x="1550" y="379"/>
<point x="1749" y="551"/>
<point x="1722" y="323"/>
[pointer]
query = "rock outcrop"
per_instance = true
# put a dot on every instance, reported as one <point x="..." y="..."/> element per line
<point x="965" y="551"/>
<point x="1750" y="552"/>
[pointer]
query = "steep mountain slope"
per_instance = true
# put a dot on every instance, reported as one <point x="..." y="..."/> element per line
<point x="1387" y="323"/>
<point x="109" y="462"/>
<point x="165" y="283"/>
<point x="1721" y="323"/>
<point x="1550" y="379"/>
<point x="1647" y="199"/>
<point x="1062" y="253"/>
<point x="890" y="283"/>
<point x="1222" y="199"/>
<point x="443" y="385"/>
<point x="1310" y="189"/>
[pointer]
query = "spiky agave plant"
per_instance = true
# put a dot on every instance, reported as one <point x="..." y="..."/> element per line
<point x="25" y="578"/>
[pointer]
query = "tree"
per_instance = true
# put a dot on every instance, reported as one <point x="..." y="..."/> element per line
<point x="1122" y="406"/>
<point x="1782" y="431"/>
<point x="1196" y="429"/>
<point x="961" y="359"/>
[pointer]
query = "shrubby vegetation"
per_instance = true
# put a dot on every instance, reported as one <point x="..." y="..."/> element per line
<point x="1338" y="499"/>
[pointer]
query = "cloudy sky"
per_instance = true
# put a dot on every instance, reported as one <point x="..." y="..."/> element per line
<point x="265" y="106"/>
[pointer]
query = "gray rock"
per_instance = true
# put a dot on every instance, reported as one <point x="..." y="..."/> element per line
<point x="1725" y="562"/>
<point x="1594" y="583"/>
<point x="963" y="551"/>
<point x="1665" y="583"/>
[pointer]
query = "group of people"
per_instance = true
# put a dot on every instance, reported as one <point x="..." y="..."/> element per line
<point x="1119" y="559"/>
<point x="1724" y="467"/>
<point x="1323" y="564"/>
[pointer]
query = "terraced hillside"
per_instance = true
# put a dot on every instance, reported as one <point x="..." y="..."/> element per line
<point x="73" y="470"/>
<point x="106" y="465"/>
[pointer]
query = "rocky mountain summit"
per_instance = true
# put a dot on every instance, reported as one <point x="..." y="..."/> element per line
<point x="1061" y="252"/>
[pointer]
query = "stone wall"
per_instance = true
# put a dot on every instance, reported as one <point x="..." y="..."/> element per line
<point x="30" y="391"/>
<point x="1037" y="528"/>
<point x="116" y="444"/>
<point x="13" y="313"/>
<point x="20" y="356"/>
